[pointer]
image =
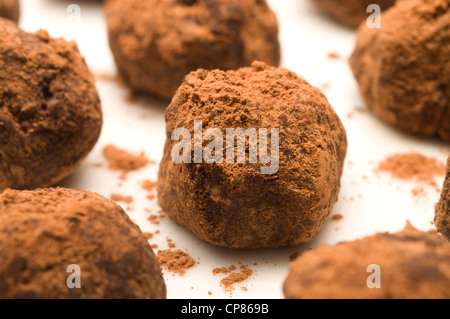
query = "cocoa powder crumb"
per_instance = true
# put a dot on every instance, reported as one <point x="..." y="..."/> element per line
<point x="337" y="217"/>
<point x="120" y="160"/>
<point x="413" y="166"/>
<point x="333" y="55"/>
<point x="122" y="198"/>
<point x="209" y="293"/>
<point x="176" y="261"/>
<point x="148" y="235"/>
<point x="236" y="277"/>
<point x="149" y="185"/>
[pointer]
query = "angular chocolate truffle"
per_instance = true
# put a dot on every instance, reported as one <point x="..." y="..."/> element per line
<point x="238" y="204"/>
<point x="405" y="265"/>
<point x="156" y="43"/>
<point x="351" y="12"/>
<point x="55" y="240"/>
<point x="50" y="115"/>
<point x="10" y="9"/>
<point x="442" y="218"/>
<point x="403" y="68"/>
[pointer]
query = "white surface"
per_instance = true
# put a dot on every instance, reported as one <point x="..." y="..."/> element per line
<point x="379" y="202"/>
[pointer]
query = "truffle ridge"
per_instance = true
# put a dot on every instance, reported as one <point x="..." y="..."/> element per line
<point x="442" y="218"/>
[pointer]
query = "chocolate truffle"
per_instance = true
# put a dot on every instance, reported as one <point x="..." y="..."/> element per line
<point x="403" y="68"/>
<point x="442" y="218"/>
<point x="43" y="232"/>
<point x="50" y="116"/>
<point x="240" y="204"/>
<point x="405" y="265"/>
<point x="156" y="43"/>
<point x="10" y="9"/>
<point x="351" y="12"/>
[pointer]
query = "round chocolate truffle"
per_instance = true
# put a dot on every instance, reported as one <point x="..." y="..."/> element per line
<point x="251" y="201"/>
<point x="442" y="218"/>
<point x="405" y="265"/>
<point x="351" y="12"/>
<point x="403" y="68"/>
<point x="156" y="43"/>
<point x="50" y="115"/>
<point x="64" y="243"/>
<point x="10" y="9"/>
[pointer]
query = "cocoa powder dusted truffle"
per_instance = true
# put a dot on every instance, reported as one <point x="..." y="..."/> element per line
<point x="244" y="204"/>
<point x="442" y="218"/>
<point x="155" y="43"/>
<point x="351" y="12"/>
<point x="403" y="68"/>
<point x="10" y="9"/>
<point x="45" y="231"/>
<point x="405" y="265"/>
<point x="50" y="115"/>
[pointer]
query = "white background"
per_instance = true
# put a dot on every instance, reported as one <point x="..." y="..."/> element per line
<point x="307" y="37"/>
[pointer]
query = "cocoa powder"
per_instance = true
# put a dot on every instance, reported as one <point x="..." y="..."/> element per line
<point x="413" y="167"/>
<point x="175" y="261"/>
<point x="120" y="160"/>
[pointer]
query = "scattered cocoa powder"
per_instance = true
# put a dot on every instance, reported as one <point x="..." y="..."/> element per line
<point x="105" y="77"/>
<point x="236" y="277"/>
<point x="413" y="166"/>
<point x="149" y="185"/>
<point x="337" y="217"/>
<point x="333" y="55"/>
<point x="148" y="235"/>
<point x="122" y="198"/>
<point x="176" y="261"/>
<point x="120" y="160"/>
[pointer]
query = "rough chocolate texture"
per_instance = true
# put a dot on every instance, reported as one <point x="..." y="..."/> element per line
<point x="50" y="115"/>
<point x="412" y="265"/>
<point x="442" y="218"/>
<point x="403" y="68"/>
<point x="44" y="231"/>
<point x="10" y="9"/>
<point x="234" y="205"/>
<point x="156" y="43"/>
<point x="351" y="12"/>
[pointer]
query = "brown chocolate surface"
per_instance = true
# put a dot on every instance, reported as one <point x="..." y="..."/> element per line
<point x="234" y="205"/>
<point x="442" y="218"/>
<point x="412" y="264"/>
<point x="10" y="9"/>
<point x="156" y="43"/>
<point x="403" y="68"/>
<point x="50" y="115"/>
<point x="44" y="231"/>
<point x="351" y="12"/>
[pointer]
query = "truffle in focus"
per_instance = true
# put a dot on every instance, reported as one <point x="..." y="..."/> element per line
<point x="237" y="205"/>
